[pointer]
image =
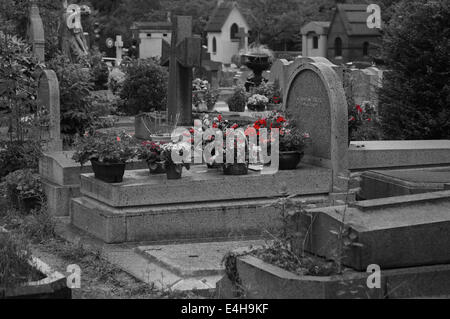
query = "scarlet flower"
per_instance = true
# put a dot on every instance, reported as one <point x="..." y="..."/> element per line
<point x="235" y="126"/>
<point x="256" y="126"/>
<point x="358" y="107"/>
<point x="369" y="120"/>
<point x="276" y="99"/>
<point x="352" y="119"/>
<point x="281" y="120"/>
<point x="263" y="122"/>
<point x="215" y="125"/>
<point x="118" y="139"/>
<point x="220" y="118"/>
<point x="191" y="130"/>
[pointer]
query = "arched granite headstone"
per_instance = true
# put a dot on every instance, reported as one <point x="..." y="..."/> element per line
<point x="49" y="105"/>
<point x="315" y="98"/>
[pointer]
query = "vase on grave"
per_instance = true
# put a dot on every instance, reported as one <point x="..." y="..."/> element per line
<point x="174" y="172"/>
<point x="258" y="63"/>
<point x="235" y="169"/>
<point x="290" y="160"/>
<point x="156" y="168"/>
<point x="108" y="172"/>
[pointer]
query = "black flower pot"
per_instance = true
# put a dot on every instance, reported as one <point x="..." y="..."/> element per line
<point x="156" y="168"/>
<point x="174" y="172"/>
<point x="108" y="172"/>
<point x="290" y="160"/>
<point x="235" y="169"/>
<point x="26" y="205"/>
<point x="257" y="107"/>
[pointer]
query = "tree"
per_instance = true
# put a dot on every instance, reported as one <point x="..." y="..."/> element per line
<point x="415" y="98"/>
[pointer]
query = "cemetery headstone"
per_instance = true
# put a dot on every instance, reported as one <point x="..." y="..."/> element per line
<point x="36" y="32"/>
<point x="279" y="74"/>
<point x="182" y="55"/>
<point x="315" y="97"/>
<point x="243" y="36"/>
<point x="119" y="49"/>
<point x="49" y="106"/>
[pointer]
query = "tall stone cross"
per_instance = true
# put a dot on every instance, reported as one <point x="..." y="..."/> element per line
<point x="119" y="45"/>
<point x="36" y="32"/>
<point x="242" y="35"/>
<point x="182" y="55"/>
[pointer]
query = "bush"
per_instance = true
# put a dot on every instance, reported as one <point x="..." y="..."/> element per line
<point x="14" y="262"/>
<point x="19" y="155"/>
<point x="237" y="102"/>
<point x="99" y="72"/>
<point x="144" y="88"/>
<point x="76" y="102"/>
<point x="23" y="185"/>
<point x="415" y="98"/>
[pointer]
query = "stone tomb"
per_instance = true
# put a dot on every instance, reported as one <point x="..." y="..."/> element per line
<point x="207" y="203"/>
<point x="391" y="183"/>
<point x="203" y="204"/>
<point x="395" y="232"/>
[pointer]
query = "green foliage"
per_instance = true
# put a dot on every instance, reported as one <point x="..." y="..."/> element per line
<point x="145" y="87"/>
<point x="24" y="184"/>
<point x="238" y="100"/>
<point x="76" y="102"/>
<point x="363" y="124"/>
<point x="269" y="90"/>
<point x="100" y="72"/>
<point x="415" y="98"/>
<point x="105" y="148"/>
<point x="19" y="155"/>
<point x="18" y="86"/>
<point x="15" y="260"/>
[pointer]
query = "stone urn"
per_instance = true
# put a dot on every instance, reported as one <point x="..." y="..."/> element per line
<point x="258" y="63"/>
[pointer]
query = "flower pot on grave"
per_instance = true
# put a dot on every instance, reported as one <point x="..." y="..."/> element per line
<point x="26" y="205"/>
<point x="108" y="172"/>
<point x="235" y="169"/>
<point x="156" y="168"/>
<point x="174" y="172"/>
<point x="257" y="107"/>
<point x="290" y="160"/>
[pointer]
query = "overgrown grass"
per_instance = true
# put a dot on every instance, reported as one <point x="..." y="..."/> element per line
<point x="14" y="261"/>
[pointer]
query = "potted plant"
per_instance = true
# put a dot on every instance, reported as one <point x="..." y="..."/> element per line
<point x="24" y="189"/>
<point x="151" y="153"/>
<point x="173" y="169"/>
<point x="292" y="139"/>
<point x="211" y="97"/>
<point x="108" y="154"/>
<point x="237" y="102"/>
<point x="292" y="146"/>
<point x="257" y="102"/>
<point x="236" y="168"/>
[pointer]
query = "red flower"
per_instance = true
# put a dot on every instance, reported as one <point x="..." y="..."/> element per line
<point x="215" y="125"/>
<point x="358" y="107"/>
<point x="220" y="118"/>
<point x="263" y="122"/>
<point x="256" y="126"/>
<point x="369" y="120"/>
<point x="352" y="119"/>
<point x="191" y="130"/>
<point x="235" y="126"/>
<point x="276" y="99"/>
<point x="118" y="139"/>
<point x="281" y="120"/>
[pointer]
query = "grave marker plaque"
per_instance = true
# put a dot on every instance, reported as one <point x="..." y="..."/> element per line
<point x="315" y="98"/>
<point x="49" y="106"/>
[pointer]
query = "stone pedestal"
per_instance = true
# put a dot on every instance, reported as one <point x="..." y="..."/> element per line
<point x="203" y="204"/>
